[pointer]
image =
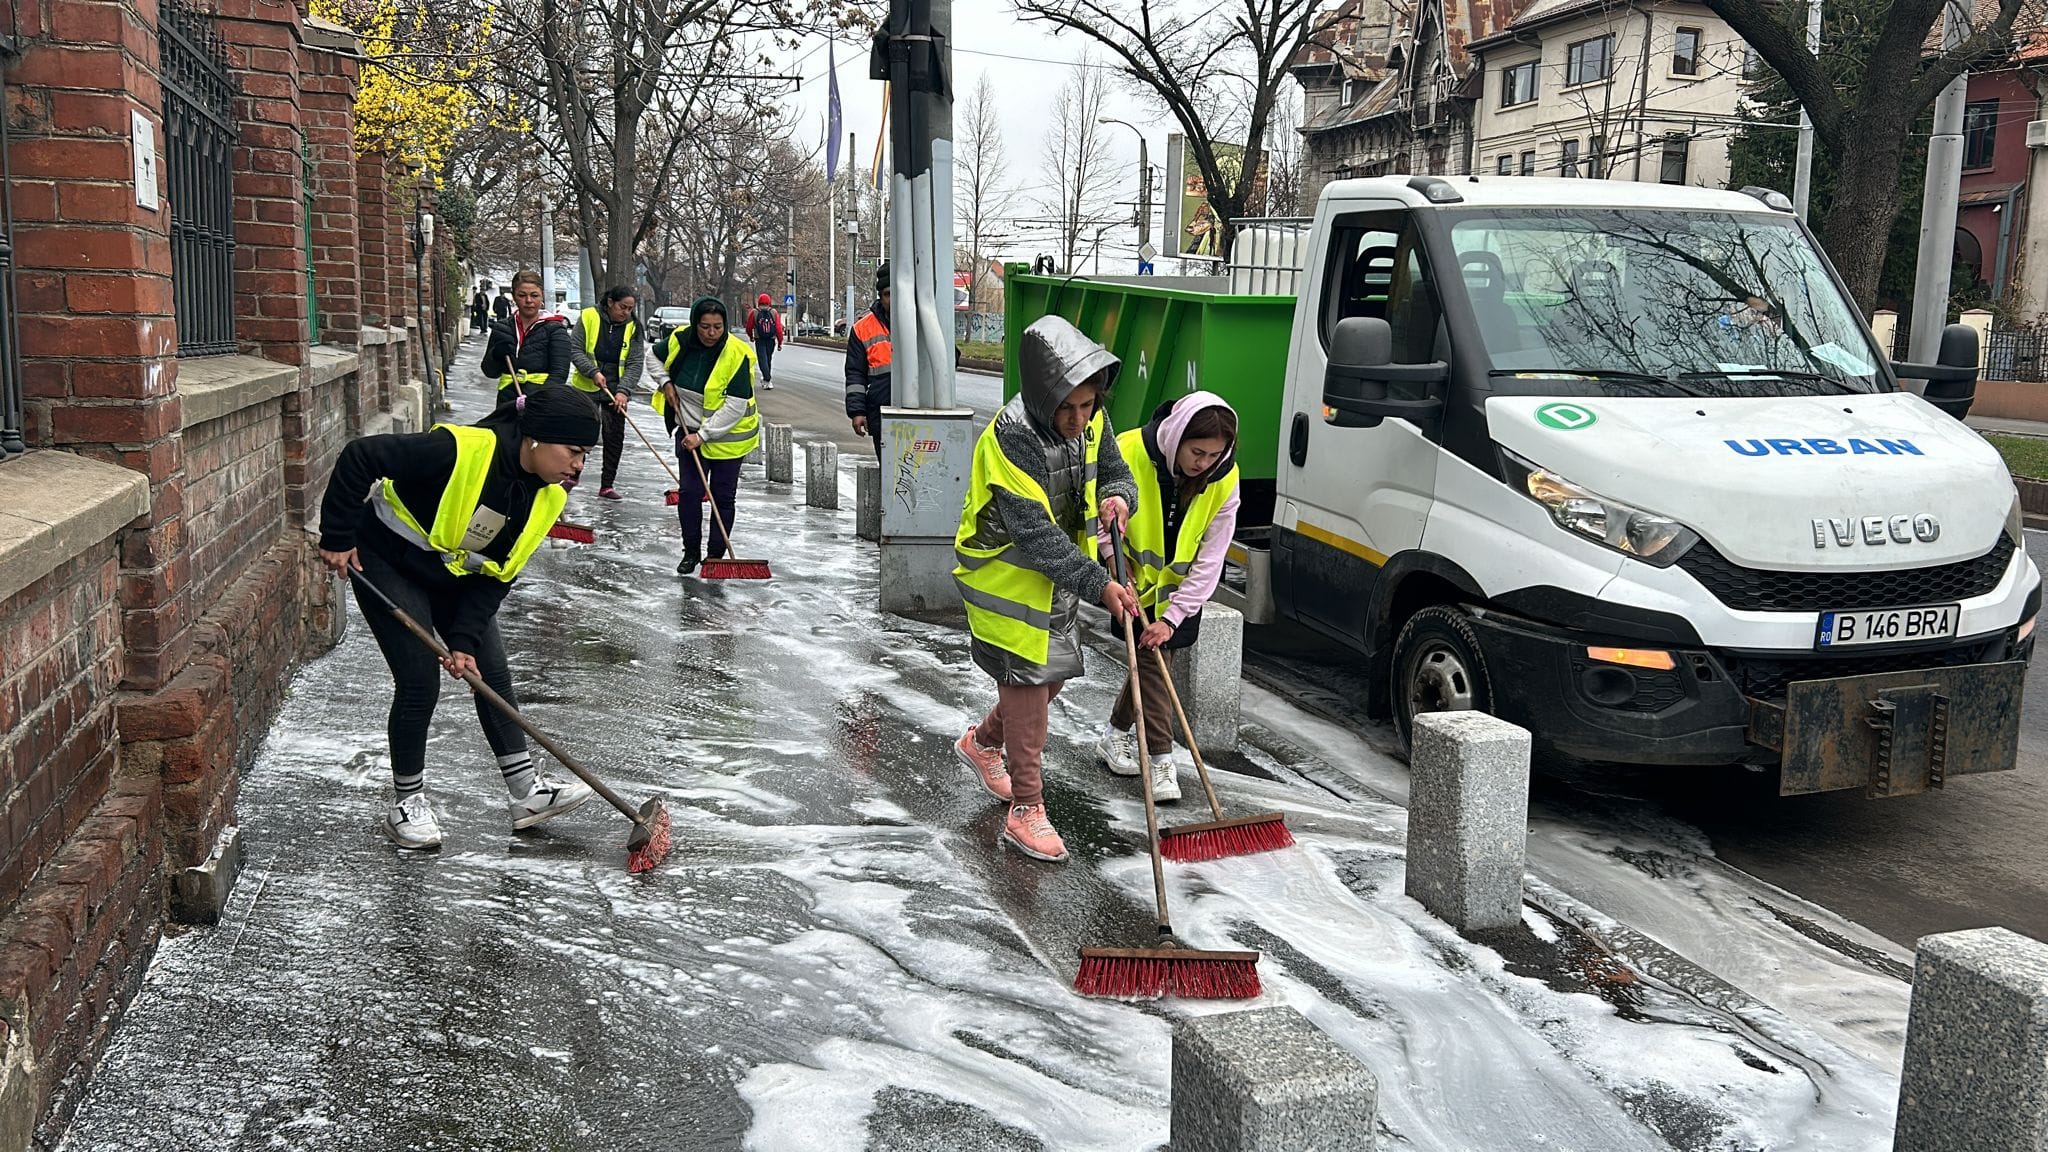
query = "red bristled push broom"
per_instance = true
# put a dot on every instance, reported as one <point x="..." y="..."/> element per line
<point x="648" y="844"/>
<point x="1215" y="839"/>
<point x="715" y="568"/>
<point x="1168" y="970"/>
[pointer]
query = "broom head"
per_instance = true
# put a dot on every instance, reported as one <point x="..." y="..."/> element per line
<point x="573" y="533"/>
<point x="672" y="497"/>
<point x="648" y="846"/>
<point x="1191" y="843"/>
<point x="730" y="569"/>
<point x="1150" y="973"/>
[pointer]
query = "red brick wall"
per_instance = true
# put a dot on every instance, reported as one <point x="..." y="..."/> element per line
<point x="234" y="495"/>
<point x="326" y="106"/>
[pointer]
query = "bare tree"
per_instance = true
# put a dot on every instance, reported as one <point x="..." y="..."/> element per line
<point x="1284" y="158"/>
<point x="1218" y="68"/>
<point x="1862" y="127"/>
<point x="1077" y="158"/>
<point x="981" y="177"/>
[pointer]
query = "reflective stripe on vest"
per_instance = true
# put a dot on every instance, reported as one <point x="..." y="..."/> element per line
<point x="527" y="381"/>
<point x="474" y="448"/>
<point x="1157" y="574"/>
<point x="874" y="340"/>
<point x="593" y="326"/>
<point x="1008" y="605"/>
<point x="738" y="440"/>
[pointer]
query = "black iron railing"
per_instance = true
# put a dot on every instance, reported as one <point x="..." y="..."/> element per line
<point x="11" y="441"/>
<point x="2016" y="356"/>
<point x="199" y="133"/>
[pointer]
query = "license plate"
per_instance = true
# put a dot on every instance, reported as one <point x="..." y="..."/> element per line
<point x="1889" y="625"/>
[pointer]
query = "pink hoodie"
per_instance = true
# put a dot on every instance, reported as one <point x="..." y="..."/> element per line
<point x="1207" y="569"/>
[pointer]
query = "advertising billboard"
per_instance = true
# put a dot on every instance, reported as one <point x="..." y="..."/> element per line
<point x="1192" y="230"/>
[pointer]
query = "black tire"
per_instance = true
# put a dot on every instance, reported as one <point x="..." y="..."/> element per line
<point x="1438" y="667"/>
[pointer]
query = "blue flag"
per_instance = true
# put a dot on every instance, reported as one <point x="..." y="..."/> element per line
<point x="832" y="117"/>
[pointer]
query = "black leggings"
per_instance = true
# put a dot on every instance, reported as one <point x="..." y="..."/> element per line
<point x="417" y="675"/>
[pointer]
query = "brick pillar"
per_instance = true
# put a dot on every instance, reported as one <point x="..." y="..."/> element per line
<point x="269" y="167"/>
<point x="399" y="266"/>
<point x="97" y="329"/>
<point x="327" y="108"/>
<point x="375" y="281"/>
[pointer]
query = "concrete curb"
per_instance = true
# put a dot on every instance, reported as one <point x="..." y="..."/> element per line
<point x="1468" y="818"/>
<point x="1267" y="1080"/>
<point x="1976" y="1067"/>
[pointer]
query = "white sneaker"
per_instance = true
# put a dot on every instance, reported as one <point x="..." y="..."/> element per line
<point x="547" y="801"/>
<point x="1165" y="778"/>
<point x="1117" y="751"/>
<point x="410" y="824"/>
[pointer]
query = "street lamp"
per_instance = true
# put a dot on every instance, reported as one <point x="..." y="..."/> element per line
<point x="1144" y="181"/>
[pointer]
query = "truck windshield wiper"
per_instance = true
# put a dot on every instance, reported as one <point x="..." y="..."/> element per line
<point x="1675" y="382"/>
<point x="1772" y="373"/>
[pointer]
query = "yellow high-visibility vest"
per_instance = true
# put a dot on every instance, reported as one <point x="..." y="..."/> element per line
<point x="740" y="439"/>
<point x="474" y="448"/>
<point x="1009" y="605"/>
<point x="1156" y="573"/>
<point x="593" y="324"/>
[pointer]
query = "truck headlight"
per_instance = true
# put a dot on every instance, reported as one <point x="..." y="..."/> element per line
<point x="2016" y="522"/>
<point x="1647" y="536"/>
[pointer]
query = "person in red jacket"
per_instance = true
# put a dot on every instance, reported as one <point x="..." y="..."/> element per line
<point x="764" y="324"/>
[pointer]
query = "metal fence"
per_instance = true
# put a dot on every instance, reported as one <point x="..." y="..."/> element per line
<point x="2016" y="356"/>
<point x="199" y="133"/>
<point x="11" y="441"/>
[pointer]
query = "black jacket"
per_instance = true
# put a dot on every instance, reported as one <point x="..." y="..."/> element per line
<point x="865" y="394"/>
<point x="546" y="348"/>
<point x="419" y="466"/>
<point x="501" y="307"/>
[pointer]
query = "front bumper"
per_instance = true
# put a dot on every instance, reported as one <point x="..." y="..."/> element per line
<point x="1721" y="706"/>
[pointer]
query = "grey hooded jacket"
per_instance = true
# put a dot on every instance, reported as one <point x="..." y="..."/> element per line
<point x="1054" y="359"/>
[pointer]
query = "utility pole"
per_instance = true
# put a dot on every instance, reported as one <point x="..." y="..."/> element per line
<point x="1802" y="172"/>
<point x="789" y="278"/>
<point x="1144" y="185"/>
<point x="547" y="251"/>
<point x="928" y="442"/>
<point x="852" y="225"/>
<point x="831" y="254"/>
<point x="1938" y="204"/>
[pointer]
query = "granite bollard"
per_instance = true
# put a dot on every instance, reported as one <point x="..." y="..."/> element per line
<point x="1976" y="1068"/>
<point x="780" y="467"/>
<point x="1209" y="675"/>
<point x="1267" y="1080"/>
<point x="867" y="502"/>
<point x="821" y="474"/>
<point x="1468" y="818"/>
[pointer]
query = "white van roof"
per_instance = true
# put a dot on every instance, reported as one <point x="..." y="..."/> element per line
<point x="1545" y="192"/>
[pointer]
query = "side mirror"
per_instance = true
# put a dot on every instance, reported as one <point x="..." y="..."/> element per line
<point x="1952" y="378"/>
<point x="1361" y="372"/>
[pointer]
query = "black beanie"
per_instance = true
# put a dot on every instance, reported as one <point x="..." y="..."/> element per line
<point x="558" y="414"/>
<point x="882" y="277"/>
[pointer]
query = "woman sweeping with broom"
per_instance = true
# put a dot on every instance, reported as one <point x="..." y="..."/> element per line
<point x="1185" y="470"/>
<point x="709" y="403"/>
<point x="441" y="523"/>
<point x="527" y="350"/>
<point x="1045" y="470"/>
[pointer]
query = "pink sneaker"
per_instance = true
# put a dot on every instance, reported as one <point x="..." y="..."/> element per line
<point x="1031" y="831"/>
<point x="609" y="493"/>
<point x="986" y="762"/>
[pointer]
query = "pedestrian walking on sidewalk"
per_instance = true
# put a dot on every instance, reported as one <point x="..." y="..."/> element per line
<point x="1183" y="464"/>
<point x="605" y="359"/>
<point x="1047" y="470"/>
<point x="529" y="349"/>
<point x="480" y="306"/>
<point x="869" y="356"/>
<point x="490" y="493"/>
<point x="708" y="403"/>
<point x="765" y="325"/>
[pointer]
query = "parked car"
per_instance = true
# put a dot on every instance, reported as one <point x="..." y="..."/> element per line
<point x="664" y="321"/>
<point x="810" y="328"/>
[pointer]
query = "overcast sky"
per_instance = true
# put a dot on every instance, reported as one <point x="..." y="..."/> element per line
<point x="1027" y="65"/>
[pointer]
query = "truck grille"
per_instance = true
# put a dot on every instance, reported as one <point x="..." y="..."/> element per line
<point x="1766" y="677"/>
<point x="1764" y="590"/>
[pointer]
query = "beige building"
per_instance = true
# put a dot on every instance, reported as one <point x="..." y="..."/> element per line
<point x="1623" y="89"/>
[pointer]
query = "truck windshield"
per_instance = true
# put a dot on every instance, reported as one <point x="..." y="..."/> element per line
<point x="1696" y="303"/>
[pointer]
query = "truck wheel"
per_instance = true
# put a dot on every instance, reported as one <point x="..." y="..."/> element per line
<point x="1438" y="667"/>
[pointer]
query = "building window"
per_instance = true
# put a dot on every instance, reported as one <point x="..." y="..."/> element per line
<point x="1505" y="166"/>
<point x="1568" y="159"/>
<point x="1517" y="84"/>
<point x="1595" y="147"/>
<point x="1671" y="170"/>
<point x="1589" y="61"/>
<point x="1529" y="163"/>
<point x="1350" y="91"/>
<point x="1980" y="132"/>
<point x="1685" y="53"/>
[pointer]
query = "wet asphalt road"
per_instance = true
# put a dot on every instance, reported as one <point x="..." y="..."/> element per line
<point x="1967" y="856"/>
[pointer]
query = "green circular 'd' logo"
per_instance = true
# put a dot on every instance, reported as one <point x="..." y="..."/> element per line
<point x="1565" y="417"/>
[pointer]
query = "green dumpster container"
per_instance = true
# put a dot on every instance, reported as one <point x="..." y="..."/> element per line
<point x="1173" y="338"/>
